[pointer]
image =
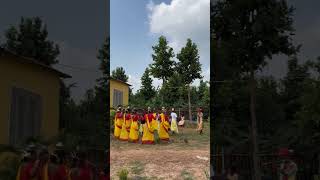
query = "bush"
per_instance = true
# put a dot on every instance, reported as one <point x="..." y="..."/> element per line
<point x="123" y="174"/>
<point x="112" y="115"/>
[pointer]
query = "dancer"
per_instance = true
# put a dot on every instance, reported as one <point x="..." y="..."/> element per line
<point x="174" y="127"/>
<point x="155" y="122"/>
<point x="200" y="120"/>
<point x="164" y="126"/>
<point x="84" y="169"/>
<point x="42" y="167"/>
<point x="134" y="129"/>
<point x="62" y="172"/>
<point x="148" y="130"/>
<point x="124" y="135"/>
<point x="27" y="167"/>
<point x="118" y="119"/>
<point x="141" y="124"/>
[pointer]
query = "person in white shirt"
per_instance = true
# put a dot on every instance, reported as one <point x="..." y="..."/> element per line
<point x="174" y="126"/>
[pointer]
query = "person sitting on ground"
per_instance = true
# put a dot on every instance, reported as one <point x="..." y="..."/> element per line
<point x="181" y="122"/>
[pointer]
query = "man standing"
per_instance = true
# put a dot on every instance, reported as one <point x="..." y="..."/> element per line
<point x="174" y="126"/>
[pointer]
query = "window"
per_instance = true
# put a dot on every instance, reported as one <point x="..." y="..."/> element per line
<point x="117" y="98"/>
<point x="25" y="115"/>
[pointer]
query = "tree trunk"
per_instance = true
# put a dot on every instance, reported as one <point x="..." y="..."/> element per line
<point x="190" y="114"/>
<point x="255" y="148"/>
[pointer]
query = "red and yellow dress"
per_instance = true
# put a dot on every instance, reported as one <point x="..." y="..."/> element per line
<point x="44" y="173"/>
<point x="164" y="127"/>
<point x="155" y="122"/>
<point x="118" y="119"/>
<point x="148" y="129"/>
<point x="124" y="136"/>
<point x="134" y="129"/>
<point x="24" y="172"/>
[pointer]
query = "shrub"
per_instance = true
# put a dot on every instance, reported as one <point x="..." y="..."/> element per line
<point x="123" y="174"/>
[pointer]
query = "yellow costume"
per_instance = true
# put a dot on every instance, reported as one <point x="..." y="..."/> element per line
<point x="44" y="172"/>
<point x="19" y="172"/>
<point x="164" y="128"/>
<point x="118" y="119"/>
<point x="148" y="129"/>
<point x="134" y="129"/>
<point x="124" y="135"/>
<point x="155" y="122"/>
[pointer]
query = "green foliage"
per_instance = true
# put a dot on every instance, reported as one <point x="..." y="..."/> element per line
<point x="29" y="39"/>
<point x="163" y="65"/>
<point x="147" y="90"/>
<point x="120" y="74"/>
<point x="137" y="167"/>
<point x="123" y="174"/>
<point x="189" y="66"/>
<point x="249" y="32"/>
<point x="186" y="175"/>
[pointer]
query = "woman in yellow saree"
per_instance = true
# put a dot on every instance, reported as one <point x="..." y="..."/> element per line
<point x="148" y="130"/>
<point x="124" y="135"/>
<point x="164" y="126"/>
<point x="155" y="123"/>
<point x="118" y="119"/>
<point x="134" y="129"/>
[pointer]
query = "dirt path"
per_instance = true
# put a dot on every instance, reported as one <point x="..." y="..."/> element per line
<point x="160" y="163"/>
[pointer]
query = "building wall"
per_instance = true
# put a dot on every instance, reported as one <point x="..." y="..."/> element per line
<point x="121" y="87"/>
<point x="32" y="78"/>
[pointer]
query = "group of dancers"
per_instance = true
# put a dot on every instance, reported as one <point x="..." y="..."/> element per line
<point x="130" y="126"/>
<point x="39" y="164"/>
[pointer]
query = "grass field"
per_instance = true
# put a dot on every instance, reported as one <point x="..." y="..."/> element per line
<point x="175" y="160"/>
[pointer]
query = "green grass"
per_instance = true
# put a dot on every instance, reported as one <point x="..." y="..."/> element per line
<point x="123" y="174"/>
<point x="186" y="175"/>
<point x="193" y="138"/>
<point x="137" y="167"/>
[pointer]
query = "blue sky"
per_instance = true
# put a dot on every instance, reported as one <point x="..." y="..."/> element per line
<point x="136" y="25"/>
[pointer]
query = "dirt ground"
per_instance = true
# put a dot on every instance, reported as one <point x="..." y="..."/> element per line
<point x="176" y="160"/>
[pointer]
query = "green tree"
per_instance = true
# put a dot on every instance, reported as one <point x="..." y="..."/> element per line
<point x="250" y="32"/>
<point x="293" y="84"/>
<point x="102" y="95"/>
<point x="189" y="66"/>
<point x="120" y="74"/>
<point x="163" y="65"/>
<point x="30" y="39"/>
<point x="147" y="90"/>
<point x="170" y="92"/>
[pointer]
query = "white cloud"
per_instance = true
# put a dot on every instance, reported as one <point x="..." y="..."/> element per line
<point x="182" y="19"/>
<point x="135" y="82"/>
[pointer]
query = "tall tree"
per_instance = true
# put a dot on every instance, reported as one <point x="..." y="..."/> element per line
<point x="250" y="32"/>
<point x="189" y="66"/>
<point x="163" y="65"/>
<point x="147" y="90"/>
<point x="293" y="84"/>
<point x="102" y="95"/>
<point x="30" y="39"/>
<point x="120" y="74"/>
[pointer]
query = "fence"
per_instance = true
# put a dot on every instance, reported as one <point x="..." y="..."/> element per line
<point x="269" y="164"/>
